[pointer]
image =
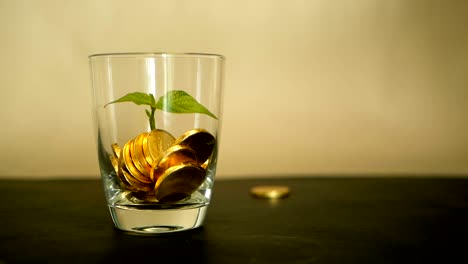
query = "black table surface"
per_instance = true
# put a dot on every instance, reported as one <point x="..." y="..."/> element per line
<point x="324" y="220"/>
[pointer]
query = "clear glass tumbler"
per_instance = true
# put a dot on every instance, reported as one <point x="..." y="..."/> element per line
<point x="157" y="123"/>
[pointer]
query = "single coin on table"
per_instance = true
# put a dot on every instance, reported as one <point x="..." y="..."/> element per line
<point x="270" y="191"/>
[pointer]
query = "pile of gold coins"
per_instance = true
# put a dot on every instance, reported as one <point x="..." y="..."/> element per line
<point x="167" y="168"/>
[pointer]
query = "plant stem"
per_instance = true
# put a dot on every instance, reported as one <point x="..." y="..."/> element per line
<point x="152" y="120"/>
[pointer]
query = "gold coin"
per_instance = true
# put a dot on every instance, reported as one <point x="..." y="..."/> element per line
<point x="138" y="157"/>
<point x="130" y="181"/>
<point x="116" y="150"/>
<point x="144" y="145"/>
<point x="115" y="163"/>
<point x="205" y="165"/>
<point x="124" y="183"/>
<point x="270" y="191"/>
<point x="178" y="182"/>
<point x="155" y="143"/>
<point x="201" y="141"/>
<point x="175" y="155"/>
<point x="138" y="185"/>
<point x="128" y="161"/>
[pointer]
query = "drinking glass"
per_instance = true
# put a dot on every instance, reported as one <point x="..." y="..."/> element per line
<point x="157" y="125"/>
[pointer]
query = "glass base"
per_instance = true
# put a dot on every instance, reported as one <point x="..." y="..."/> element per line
<point x="157" y="220"/>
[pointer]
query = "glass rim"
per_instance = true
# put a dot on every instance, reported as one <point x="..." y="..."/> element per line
<point x="156" y="54"/>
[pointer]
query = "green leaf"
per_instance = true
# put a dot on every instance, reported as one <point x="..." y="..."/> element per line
<point x="181" y="102"/>
<point x="137" y="98"/>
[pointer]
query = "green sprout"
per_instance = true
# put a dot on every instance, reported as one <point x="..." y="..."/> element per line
<point x="175" y="101"/>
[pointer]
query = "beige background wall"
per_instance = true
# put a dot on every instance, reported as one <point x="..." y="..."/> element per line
<point x="312" y="87"/>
